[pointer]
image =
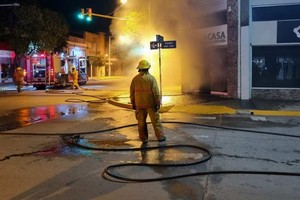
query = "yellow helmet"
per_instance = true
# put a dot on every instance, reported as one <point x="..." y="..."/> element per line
<point x="18" y="69"/>
<point x="143" y="64"/>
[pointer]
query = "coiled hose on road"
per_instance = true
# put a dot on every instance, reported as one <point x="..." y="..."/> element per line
<point x="74" y="139"/>
<point x="110" y="170"/>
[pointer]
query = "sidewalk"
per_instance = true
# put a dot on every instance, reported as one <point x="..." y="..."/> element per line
<point x="4" y="87"/>
<point x="203" y="104"/>
<point x="214" y="105"/>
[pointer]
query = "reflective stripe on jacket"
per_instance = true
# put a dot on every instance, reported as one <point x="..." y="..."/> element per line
<point x="144" y="92"/>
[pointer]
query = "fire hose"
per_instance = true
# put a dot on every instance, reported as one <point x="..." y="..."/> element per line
<point x="74" y="140"/>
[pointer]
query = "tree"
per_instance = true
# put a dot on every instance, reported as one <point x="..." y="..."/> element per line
<point x="96" y="61"/>
<point x="32" y="29"/>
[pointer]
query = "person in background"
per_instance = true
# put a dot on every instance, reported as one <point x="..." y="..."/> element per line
<point x="75" y="78"/>
<point x="145" y="99"/>
<point x="19" y="78"/>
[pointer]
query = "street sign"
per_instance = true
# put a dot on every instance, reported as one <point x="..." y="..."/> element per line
<point x="161" y="44"/>
<point x="168" y="44"/>
<point x="153" y="45"/>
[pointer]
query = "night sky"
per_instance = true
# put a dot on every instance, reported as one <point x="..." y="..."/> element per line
<point x="70" y="9"/>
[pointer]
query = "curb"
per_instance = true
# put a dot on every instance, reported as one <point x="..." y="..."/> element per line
<point x="215" y="110"/>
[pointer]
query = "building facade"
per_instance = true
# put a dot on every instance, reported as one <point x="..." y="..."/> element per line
<point x="268" y="59"/>
<point x="7" y="56"/>
<point x="91" y="46"/>
<point x="272" y="38"/>
<point x="257" y="44"/>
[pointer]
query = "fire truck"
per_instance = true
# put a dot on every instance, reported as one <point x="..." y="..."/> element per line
<point x="44" y="70"/>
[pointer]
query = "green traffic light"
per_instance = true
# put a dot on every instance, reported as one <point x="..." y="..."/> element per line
<point x="88" y="19"/>
<point x="80" y="16"/>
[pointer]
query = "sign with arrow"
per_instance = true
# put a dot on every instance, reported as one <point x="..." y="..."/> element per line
<point x="153" y="45"/>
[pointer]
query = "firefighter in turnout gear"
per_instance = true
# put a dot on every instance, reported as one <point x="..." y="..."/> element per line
<point x="75" y="78"/>
<point x="19" y="78"/>
<point x="145" y="99"/>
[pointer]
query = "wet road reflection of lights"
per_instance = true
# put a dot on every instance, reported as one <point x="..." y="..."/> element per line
<point x="27" y="116"/>
<point x="166" y="100"/>
<point x="170" y="155"/>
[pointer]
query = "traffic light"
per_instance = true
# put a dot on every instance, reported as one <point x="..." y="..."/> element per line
<point x="89" y="14"/>
<point x="81" y="15"/>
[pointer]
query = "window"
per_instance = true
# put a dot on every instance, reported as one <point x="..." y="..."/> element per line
<point x="276" y="67"/>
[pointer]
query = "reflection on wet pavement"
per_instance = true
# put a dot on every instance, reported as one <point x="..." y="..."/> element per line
<point x="28" y="116"/>
<point x="109" y="143"/>
<point x="172" y="155"/>
<point x="182" y="99"/>
<point x="153" y="153"/>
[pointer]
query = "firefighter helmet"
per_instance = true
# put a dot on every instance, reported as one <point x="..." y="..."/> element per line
<point x="18" y="69"/>
<point x="143" y="64"/>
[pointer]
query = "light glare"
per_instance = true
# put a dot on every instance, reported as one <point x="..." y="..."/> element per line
<point x="123" y="1"/>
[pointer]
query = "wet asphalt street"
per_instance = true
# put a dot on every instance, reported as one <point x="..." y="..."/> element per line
<point x="40" y="158"/>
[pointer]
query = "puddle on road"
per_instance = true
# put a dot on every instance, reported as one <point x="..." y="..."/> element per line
<point x="163" y="155"/>
<point x="27" y="116"/>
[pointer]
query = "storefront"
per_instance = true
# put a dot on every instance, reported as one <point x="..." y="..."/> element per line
<point x="6" y="65"/>
<point x="275" y="30"/>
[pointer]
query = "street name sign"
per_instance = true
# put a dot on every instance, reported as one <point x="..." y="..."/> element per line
<point x="168" y="44"/>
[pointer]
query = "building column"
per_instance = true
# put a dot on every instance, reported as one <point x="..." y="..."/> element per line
<point x="232" y="48"/>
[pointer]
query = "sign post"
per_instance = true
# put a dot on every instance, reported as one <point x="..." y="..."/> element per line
<point x="161" y="44"/>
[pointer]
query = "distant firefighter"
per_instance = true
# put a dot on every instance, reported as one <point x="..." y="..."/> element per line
<point x="19" y="78"/>
<point x="145" y="99"/>
<point x="75" y="78"/>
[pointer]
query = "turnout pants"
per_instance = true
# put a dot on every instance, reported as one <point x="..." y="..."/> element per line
<point x="141" y="116"/>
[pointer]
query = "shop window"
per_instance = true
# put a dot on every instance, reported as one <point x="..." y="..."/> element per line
<point x="276" y="67"/>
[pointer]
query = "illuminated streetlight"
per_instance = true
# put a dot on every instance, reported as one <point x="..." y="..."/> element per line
<point x="12" y="4"/>
<point x="123" y="1"/>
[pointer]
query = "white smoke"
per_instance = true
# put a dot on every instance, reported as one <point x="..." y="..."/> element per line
<point x="185" y="66"/>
